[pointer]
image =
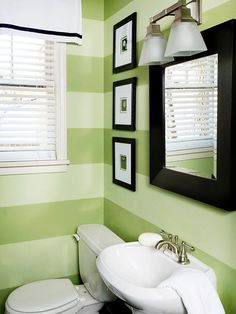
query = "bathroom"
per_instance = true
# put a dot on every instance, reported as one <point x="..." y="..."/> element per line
<point x="40" y="212"/>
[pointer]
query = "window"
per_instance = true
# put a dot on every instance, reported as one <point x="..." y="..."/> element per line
<point x="191" y="109"/>
<point x="32" y="105"/>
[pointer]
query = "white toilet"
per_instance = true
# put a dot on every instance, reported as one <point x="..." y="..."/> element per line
<point x="60" y="295"/>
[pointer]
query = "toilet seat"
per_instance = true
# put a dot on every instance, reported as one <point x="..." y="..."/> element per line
<point x="47" y="296"/>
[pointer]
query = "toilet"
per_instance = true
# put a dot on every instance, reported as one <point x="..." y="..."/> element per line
<point x="60" y="295"/>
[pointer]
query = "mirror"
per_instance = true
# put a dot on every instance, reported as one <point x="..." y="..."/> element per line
<point x="191" y="90"/>
<point x="192" y="109"/>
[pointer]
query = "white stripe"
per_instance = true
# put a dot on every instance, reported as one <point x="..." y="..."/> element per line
<point x="79" y="182"/>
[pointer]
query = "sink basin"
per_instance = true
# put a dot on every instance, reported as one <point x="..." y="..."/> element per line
<point x="133" y="272"/>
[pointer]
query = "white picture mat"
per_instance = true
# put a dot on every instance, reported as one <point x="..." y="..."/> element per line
<point x="121" y="174"/>
<point x="124" y="91"/>
<point x="125" y="57"/>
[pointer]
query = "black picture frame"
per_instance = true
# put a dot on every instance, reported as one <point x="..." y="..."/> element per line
<point x="123" y="162"/>
<point x="124" y="104"/>
<point x="219" y="192"/>
<point x="124" y="44"/>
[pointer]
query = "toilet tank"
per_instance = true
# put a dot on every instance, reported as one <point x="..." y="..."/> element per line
<point x="93" y="238"/>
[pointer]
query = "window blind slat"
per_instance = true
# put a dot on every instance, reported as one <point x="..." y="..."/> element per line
<point x="36" y="109"/>
<point x="28" y="155"/>
<point x="15" y="95"/>
<point x="7" y="55"/>
<point x="22" y="67"/>
<point x="27" y="99"/>
<point x="27" y="82"/>
<point x="24" y="88"/>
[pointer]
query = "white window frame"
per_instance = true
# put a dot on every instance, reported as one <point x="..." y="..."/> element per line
<point x="61" y="163"/>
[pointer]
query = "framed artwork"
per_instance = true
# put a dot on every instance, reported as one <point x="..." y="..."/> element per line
<point x="124" y="44"/>
<point x="124" y="104"/>
<point x="123" y="162"/>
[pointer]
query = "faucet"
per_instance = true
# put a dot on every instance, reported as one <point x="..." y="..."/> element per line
<point x="178" y="250"/>
<point x="169" y="245"/>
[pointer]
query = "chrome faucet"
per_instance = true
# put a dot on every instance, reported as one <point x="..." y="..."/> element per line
<point x="168" y="245"/>
<point x="179" y="251"/>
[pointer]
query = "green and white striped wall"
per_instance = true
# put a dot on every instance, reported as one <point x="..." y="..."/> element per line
<point x="40" y="212"/>
<point x="211" y="230"/>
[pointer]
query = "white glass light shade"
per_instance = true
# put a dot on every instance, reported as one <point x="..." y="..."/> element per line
<point x="153" y="51"/>
<point x="185" y="40"/>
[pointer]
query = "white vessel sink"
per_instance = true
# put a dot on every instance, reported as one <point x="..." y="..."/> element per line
<point x="133" y="272"/>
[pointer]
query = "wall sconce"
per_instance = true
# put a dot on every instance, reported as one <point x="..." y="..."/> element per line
<point x="185" y="38"/>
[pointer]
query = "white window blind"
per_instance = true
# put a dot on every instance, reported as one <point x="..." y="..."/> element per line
<point x="191" y="109"/>
<point x="27" y="99"/>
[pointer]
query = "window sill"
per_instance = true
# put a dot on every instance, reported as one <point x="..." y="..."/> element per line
<point x="33" y="167"/>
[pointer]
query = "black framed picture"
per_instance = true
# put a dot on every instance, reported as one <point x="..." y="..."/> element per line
<point x="123" y="162"/>
<point x="124" y="104"/>
<point x="124" y="44"/>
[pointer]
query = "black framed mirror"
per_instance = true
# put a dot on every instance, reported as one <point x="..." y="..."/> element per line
<point x="173" y="152"/>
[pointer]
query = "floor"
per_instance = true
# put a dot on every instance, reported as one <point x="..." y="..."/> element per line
<point x="116" y="307"/>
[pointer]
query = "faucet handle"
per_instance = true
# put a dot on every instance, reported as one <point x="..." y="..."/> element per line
<point x="189" y="246"/>
<point x="176" y="239"/>
<point x="183" y="257"/>
<point x="163" y="233"/>
<point x="170" y="237"/>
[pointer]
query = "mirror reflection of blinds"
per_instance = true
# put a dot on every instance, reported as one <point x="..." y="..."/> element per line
<point x="27" y="99"/>
<point x="191" y="109"/>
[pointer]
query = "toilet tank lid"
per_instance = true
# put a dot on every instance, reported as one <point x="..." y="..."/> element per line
<point x="97" y="237"/>
<point x="45" y="295"/>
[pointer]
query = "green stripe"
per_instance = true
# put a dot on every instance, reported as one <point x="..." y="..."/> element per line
<point x="85" y="146"/>
<point x="128" y="226"/>
<point x="38" y="221"/>
<point x="75" y="279"/>
<point x="84" y="74"/>
<point x="3" y="296"/>
<point x="142" y="148"/>
<point x="118" y="219"/>
<point x="111" y="7"/>
<point x="85" y="110"/>
<point x="93" y="9"/>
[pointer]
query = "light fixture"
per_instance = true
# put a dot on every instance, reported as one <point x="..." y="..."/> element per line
<point x="185" y="39"/>
<point x="154" y="46"/>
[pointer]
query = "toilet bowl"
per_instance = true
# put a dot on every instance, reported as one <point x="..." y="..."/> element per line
<point x="51" y="297"/>
<point x="55" y="296"/>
